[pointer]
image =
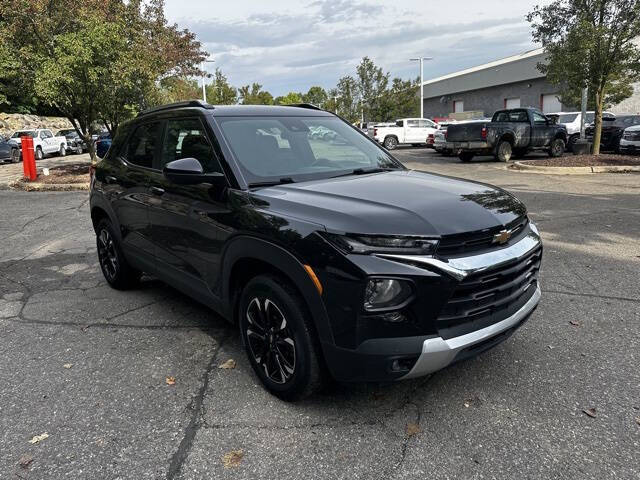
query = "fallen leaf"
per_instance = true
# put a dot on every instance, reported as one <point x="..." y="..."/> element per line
<point x="229" y="364"/>
<point x="170" y="380"/>
<point x="25" y="461"/>
<point x="39" y="438"/>
<point x="412" y="429"/>
<point x="68" y="365"/>
<point x="232" y="459"/>
<point x="574" y="323"/>
<point x="590" y="411"/>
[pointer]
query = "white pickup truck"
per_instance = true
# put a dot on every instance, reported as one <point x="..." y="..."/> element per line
<point x="43" y="142"/>
<point x="405" y="131"/>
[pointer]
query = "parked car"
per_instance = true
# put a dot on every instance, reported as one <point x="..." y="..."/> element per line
<point x="510" y="133"/>
<point x="412" y="131"/>
<point x="75" y="144"/>
<point x="572" y="120"/>
<point x="44" y="142"/>
<point x="103" y="143"/>
<point x="440" y="137"/>
<point x="334" y="259"/>
<point x="630" y="141"/>
<point x="612" y="130"/>
<point x="9" y="152"/>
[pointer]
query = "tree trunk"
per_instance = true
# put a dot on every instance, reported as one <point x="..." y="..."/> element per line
<point x="597" y="126"/>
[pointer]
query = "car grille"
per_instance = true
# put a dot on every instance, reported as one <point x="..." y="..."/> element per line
<point x="472" y="242"/>
<point x="485" y="298"/>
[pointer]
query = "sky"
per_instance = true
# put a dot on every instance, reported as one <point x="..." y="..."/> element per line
<point x="291" y="45"/>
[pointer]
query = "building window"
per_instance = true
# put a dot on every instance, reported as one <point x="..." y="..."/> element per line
<point x="510" y="103"/>
<point x="458" y="106"/>
<point x="549" y="103"/>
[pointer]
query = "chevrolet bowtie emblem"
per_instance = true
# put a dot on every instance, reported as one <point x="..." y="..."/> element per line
<point x="502" y="237"/>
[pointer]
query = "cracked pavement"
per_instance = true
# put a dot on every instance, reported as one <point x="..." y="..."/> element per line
<point x="514" y="412"/>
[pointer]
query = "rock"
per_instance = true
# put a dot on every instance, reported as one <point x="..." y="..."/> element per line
<point x="10" y="122"/>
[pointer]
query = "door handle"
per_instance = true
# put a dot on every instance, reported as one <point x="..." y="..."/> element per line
<point x="157" y="191"/>
<point x="110" y="179"/>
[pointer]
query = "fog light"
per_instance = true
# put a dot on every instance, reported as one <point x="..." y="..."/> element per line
<point x="382" y="293"/>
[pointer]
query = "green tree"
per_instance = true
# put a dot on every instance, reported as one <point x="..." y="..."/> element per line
<point x="290" y="98"/>
<point x="254" y="95"/>
<point x="348" y="102"/>
<point x="177" y="89"/>
<point x="316" y="96"/>
<point x="372" y="86"/>
<point x="590" y="44"/>
<point x="220" y="92"/>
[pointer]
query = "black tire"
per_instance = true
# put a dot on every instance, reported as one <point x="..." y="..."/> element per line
<point x="279" y="338"/>
<point x="466" y="156"/>
<point x="390" y="143"/>
<point x="15" y="155"/>
<point x="39" y="154"/>
<point x="115" y="268"/>
<point x="503" y="151"/>
<point x="63" y="150"/>
<point x="557" y="148"/>
<point x="572" y="140"/>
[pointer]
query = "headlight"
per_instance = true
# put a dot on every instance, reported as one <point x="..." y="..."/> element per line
<point x="384" y="293"/>
<point x="398" y="244"/>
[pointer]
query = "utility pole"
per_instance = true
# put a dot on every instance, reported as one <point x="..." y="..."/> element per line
<point x="421" y="60"/>
<point x="204" y="75"/>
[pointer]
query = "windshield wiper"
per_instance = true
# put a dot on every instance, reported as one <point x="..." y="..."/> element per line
<point x="362" y="171"/>
<point x="282" y="181"/>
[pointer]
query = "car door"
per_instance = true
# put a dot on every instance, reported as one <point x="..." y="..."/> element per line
<point x="412" y="132"/>
<point x="126" y="185"/>
<point x="541" y="134"/>
<point x="185" y="219"/>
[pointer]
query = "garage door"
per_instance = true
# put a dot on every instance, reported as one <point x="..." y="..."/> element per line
<point x="550" y="103"/>
<point x="511" y="103"/>
<point x="458" y="106"/>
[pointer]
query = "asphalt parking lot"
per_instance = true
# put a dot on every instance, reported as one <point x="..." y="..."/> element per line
<point x="89" y="365"/>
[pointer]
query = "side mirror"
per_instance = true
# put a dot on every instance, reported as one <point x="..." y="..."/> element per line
<point x="189" y="171"/>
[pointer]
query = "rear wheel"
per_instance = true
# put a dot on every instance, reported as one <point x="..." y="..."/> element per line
<point x="390" y="143"/>
<point x="279" y="338"/>
<point x="572" y="141"/>
<point x="557" y="148"/>
<point x="503" y="151"/>
<point x="115" y="268"/>
<point x="63" y="151"/>
<point x="466" y="156"/>
<point x="15" y="155"/>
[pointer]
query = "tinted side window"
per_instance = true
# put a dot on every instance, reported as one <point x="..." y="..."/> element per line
<point x="186" y="138"/>
<point x="539" y="119"/>
<point x="142" y="145"/>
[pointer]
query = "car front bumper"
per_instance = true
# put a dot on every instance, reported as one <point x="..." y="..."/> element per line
<point x="629" y="145"/>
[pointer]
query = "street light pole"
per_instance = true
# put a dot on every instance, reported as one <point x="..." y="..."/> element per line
<point x="204" y="75"/>
<point x="421" y="60"/>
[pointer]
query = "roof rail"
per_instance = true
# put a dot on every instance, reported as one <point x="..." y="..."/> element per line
<point x="170" y="106"/>
<point x="310" y="106"/>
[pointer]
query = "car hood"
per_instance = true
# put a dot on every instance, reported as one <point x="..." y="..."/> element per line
<point x="400" y="202"/>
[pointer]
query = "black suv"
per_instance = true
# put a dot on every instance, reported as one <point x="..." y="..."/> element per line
<point x="330" y="255"/>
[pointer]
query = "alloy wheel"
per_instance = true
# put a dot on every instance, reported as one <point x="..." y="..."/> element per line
<point x="270" y="340"/>
<point x="107" y="254"/>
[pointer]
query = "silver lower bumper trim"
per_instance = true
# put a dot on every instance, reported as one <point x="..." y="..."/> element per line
<point x="437" y="353"/>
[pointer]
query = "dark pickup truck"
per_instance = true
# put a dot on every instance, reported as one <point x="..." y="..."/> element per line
<point x="510" y="133"/>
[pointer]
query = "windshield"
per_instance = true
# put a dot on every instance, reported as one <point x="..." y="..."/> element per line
<point x="28" y="133"/>
<point x="67" y="133"/>
<point x="300" y="148"/>
<point x="567" y="118"/>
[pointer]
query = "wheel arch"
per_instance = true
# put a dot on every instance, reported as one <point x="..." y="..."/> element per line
<point x="246" y="257"/>
<point x="100" y="209"/>
<point x="508" y="137"/>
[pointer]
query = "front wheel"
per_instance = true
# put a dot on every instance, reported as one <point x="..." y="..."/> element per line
<point x="503" y="151"/>
<point x="390" y="143"/>
<point x="63" y="151"/>
<point x="557" y="148"/>
<point x="39" y="153"/>
<point x="15" y="155"/>
<point x="115" y="268"/>
<point x="279" y="338"/>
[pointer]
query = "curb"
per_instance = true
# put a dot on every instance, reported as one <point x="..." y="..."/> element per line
<point x="49" y="187"/>
<point x="519" y="166"/>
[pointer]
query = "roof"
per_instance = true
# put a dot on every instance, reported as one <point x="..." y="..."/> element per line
<point x="499" y="72"/>
<point x="301" y="110"/>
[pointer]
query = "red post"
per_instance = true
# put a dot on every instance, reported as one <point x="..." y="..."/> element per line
<point x="28" y="158"/>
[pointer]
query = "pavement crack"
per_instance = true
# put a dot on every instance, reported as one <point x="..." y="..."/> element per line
<point x="593" y="295"/>
<point x="179" y="457"/>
